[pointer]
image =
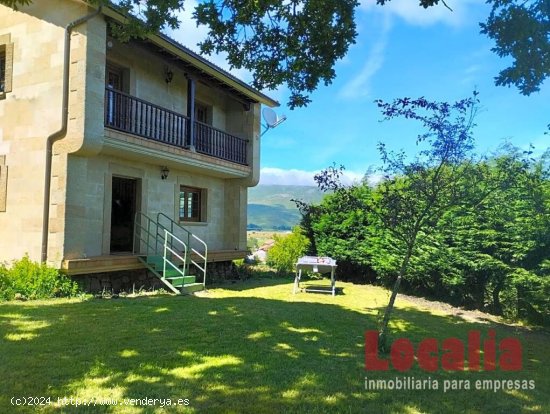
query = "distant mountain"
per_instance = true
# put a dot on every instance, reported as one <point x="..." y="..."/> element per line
<point x="270" y="206"/>
<point x="282" y="194"/>
<point x="262" y="217"/>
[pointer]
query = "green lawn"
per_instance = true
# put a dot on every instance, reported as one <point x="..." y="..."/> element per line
<point x="250" y="347"/>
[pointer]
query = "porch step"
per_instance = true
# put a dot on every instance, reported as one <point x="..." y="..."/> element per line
<point x="155" y="261"/>
<point x="171" y="273"/>
<point x="193" y="287"/>
<point x="187" y="284"/>
<point x="181" y="280"/>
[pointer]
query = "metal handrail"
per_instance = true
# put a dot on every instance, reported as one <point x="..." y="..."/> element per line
<point x="203" y="269"/>
<point x="148" y="234"/>
<point x="172" y="223"/>
<point x="172" y="237"/>
<point x="190" y="236"/>
<point x="220" y="144"/>
<point x="151" y="234"/>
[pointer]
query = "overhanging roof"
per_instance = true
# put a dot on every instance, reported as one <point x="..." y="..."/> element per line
<point x="199" y="63"/>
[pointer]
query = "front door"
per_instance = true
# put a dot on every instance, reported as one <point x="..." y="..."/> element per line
<point x="123" y="211"/>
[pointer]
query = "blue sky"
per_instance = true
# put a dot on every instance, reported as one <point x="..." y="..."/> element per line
<point x="402" y="50"/>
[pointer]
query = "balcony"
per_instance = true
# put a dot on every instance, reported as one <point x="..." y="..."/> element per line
<point x="135" y="116"/>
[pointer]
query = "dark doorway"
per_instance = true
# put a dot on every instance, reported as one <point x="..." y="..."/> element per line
<point x="123" y="211"/>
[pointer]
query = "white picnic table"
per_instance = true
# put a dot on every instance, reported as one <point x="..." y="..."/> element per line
<point x="317" y="265"/>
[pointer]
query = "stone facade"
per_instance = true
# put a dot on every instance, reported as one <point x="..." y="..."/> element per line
<point x="143" y="280"/>
<point x="127" y="281"/>
<point x="90" y="155"/>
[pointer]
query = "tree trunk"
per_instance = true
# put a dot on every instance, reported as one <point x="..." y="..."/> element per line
<point x="497" y="306"/>
<point x="383" y="333"/>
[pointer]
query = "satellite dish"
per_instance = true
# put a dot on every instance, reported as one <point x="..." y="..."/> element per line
<point x="271" y="119"/>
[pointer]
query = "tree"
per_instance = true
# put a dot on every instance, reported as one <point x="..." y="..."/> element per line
<point x="521" y="30"/>
<point x="416" y="194"/>
<point x="298" y="42"/>
<point x="287" y="250"/>
<point x="489" y="251"/>
<point x="486" y="243"/>
<point x="341" y="228"/>
<point x="501" y="250"/>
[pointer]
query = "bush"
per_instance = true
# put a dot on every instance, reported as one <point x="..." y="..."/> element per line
<point x="287" y="250"/>
<point x="6" y="289"/>
<point x="252" y="244"/>
<point x="34" y="281"/>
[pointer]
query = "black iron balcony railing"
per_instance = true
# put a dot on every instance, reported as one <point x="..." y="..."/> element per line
<point x="129" y="114"/>
<point x="219" y="144"/>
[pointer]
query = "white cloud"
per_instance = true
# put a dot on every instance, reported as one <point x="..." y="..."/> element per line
<point x="360" y="85"/>
<point x="374" y="178"/>
<point x="412" y="13"/>
<point x="278" y="176"/>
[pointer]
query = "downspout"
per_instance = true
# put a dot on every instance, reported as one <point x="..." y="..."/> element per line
<point x="59" y="134"/>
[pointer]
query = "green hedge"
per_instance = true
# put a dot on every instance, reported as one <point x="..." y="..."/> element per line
<point x="33" y="280"/>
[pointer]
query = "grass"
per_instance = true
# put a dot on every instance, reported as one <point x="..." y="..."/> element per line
<point x="250" y="347"/>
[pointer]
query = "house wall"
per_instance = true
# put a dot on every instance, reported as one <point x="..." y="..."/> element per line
<point x="227" y="198"/>
<point x="82" y="170"/>
<point x="147" y="74"/>
<point x="89" y="190"/>
<point x="30" y="113"/>
<point x="147" y="81"/>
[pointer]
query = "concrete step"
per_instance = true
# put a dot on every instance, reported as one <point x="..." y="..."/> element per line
<point x="193" y="287"/>
<point x="170" y="272"/>
<point x="181" y="280"/>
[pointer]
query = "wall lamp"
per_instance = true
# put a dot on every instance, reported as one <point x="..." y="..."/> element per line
<point x="164" y="172"/>
<point x="168" y="74"/>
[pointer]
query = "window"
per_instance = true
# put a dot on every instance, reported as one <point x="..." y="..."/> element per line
<point x="203" y="113"/>
<point x="2" y="71"/>
<point x="114" y="77"/>
<point x="6" y="58"/>
<point x="117" y="112"/>
<point x="192" y="204"/>
<point x="3" y="183"/>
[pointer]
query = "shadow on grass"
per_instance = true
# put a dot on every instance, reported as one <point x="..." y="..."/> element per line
<point x="232" y="355"/>
<point x="252" y="283"/>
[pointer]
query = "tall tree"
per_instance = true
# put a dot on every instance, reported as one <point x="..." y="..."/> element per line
<point x="521" y="31"/>
<point x="295" y="42"/>
<point x="416" y="194"/>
